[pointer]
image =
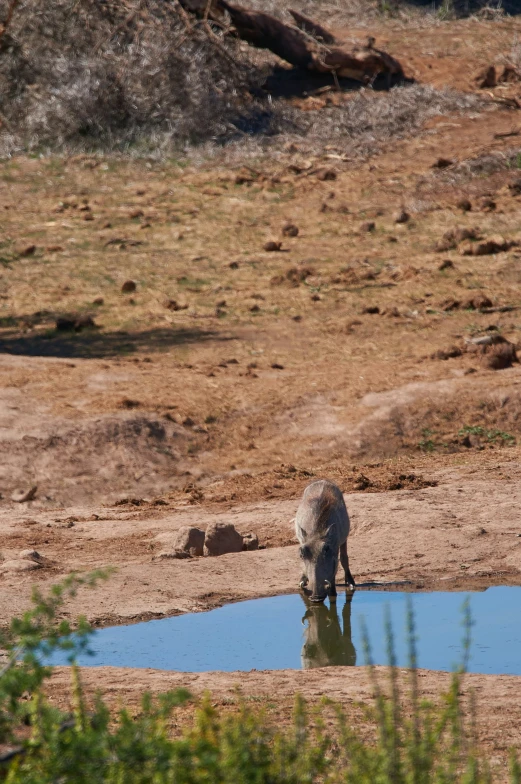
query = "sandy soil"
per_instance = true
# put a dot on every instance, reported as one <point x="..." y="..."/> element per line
<point x="463" y="532"/>
<point x="232" y="376"/>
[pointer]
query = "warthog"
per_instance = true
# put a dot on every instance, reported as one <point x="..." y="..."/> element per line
<point x="325" y="642"/>
<point x="322" y="526"/>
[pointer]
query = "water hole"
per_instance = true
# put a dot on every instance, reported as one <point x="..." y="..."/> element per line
<point x="283" y="632"/>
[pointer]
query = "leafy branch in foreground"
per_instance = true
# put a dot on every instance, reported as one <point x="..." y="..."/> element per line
<point x="33" y="637"/>
<point x="417" y="742"/>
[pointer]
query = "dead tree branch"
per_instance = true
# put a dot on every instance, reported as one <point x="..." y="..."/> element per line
<point x="304" y="46"/>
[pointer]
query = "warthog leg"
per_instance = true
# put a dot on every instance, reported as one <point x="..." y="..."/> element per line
<point x="344" y="560"/>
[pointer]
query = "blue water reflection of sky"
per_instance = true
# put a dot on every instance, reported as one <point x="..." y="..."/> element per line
<point x="273" y="634"/>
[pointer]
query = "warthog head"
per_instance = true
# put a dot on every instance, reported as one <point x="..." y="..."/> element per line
<point x="320" y="561"/>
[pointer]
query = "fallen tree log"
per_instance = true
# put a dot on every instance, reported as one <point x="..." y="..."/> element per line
<point x="301" y="46"/>
<point x="312" y="28"/>
<point x="267" y="32"/>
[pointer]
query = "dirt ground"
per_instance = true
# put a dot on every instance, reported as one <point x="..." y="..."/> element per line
<point x="224" y="377"/>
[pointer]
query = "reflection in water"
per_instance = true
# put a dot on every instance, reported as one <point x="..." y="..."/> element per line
<point x="326" y="643"/>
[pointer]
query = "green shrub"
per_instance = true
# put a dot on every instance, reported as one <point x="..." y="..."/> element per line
<point x="416" y="742"/>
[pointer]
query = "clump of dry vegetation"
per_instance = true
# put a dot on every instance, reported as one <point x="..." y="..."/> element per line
<point x="128" y="76"/>
<point x="366" y="121"/>
<point x="108" y="73"/>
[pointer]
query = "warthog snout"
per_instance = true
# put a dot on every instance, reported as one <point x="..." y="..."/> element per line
<point x="319" y="597"/>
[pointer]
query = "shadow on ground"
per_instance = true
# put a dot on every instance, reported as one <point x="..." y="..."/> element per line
<point x="296" y="83"/>
<point x="92" y="344"/>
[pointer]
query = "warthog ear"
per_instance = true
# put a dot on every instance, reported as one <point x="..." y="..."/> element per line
<point x="305" y="553"/>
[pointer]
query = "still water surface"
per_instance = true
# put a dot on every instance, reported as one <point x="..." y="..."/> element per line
<point x="282" y="632"/>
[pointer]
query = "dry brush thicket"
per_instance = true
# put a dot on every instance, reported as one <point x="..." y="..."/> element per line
<point x="108" y="74"/>
<point x="143" y="76"/>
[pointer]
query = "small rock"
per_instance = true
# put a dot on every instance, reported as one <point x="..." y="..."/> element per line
<point x="54" y="248"/>
<point x="477" y="302"/>
<point x="190" y="540"/>
<point x="500" y="356"/>
<point x="487" y="77"/>
<point x="315" y="298"/>
<point x="21" y="496"/>
<point x="244" y="179"/>
<point x="271" y="246"/>
<point x="98" y="301"/>
<point x="188" y="422"/>
<point x="366" y="227"/>
<point x="133" y="214"/>
<point x="254" y="309"/>
<point x="277" y="366"/>
<point x="446" y="264"/>
<point x="486" y="204"/>
<point x="464" y="205"/>
<point x="509" y="74"/>
<point x="449" y="304"/>
<point x="74" y="323"/>
<point x="515" y="187"/>
<point x="127" y="402"/>
<point x="401" y="217"/>
<point x="326" y="174"/>
<point x="65" y="324"/>
<point x="222" y="538"/>
<point x="128" y="286"/>
<point x="362" y="482"/>
<point x="453" y="237"/>
<point x="451" y="353"/>
<point x="26" y="250"/>
<point x="496" y="244"/>
<point x="290" y="230"/>
<point x="31" y="555"/>
<point x="297" y="275"/>
<point x="371" y="309"/>
<point x="471" y="440"/>
<point x="250" y="542"/>
<point x="84" y="322"/>
<point x="173" y="304"/>
<point x="233" y="265"/>
<point x="443" y="163"/>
